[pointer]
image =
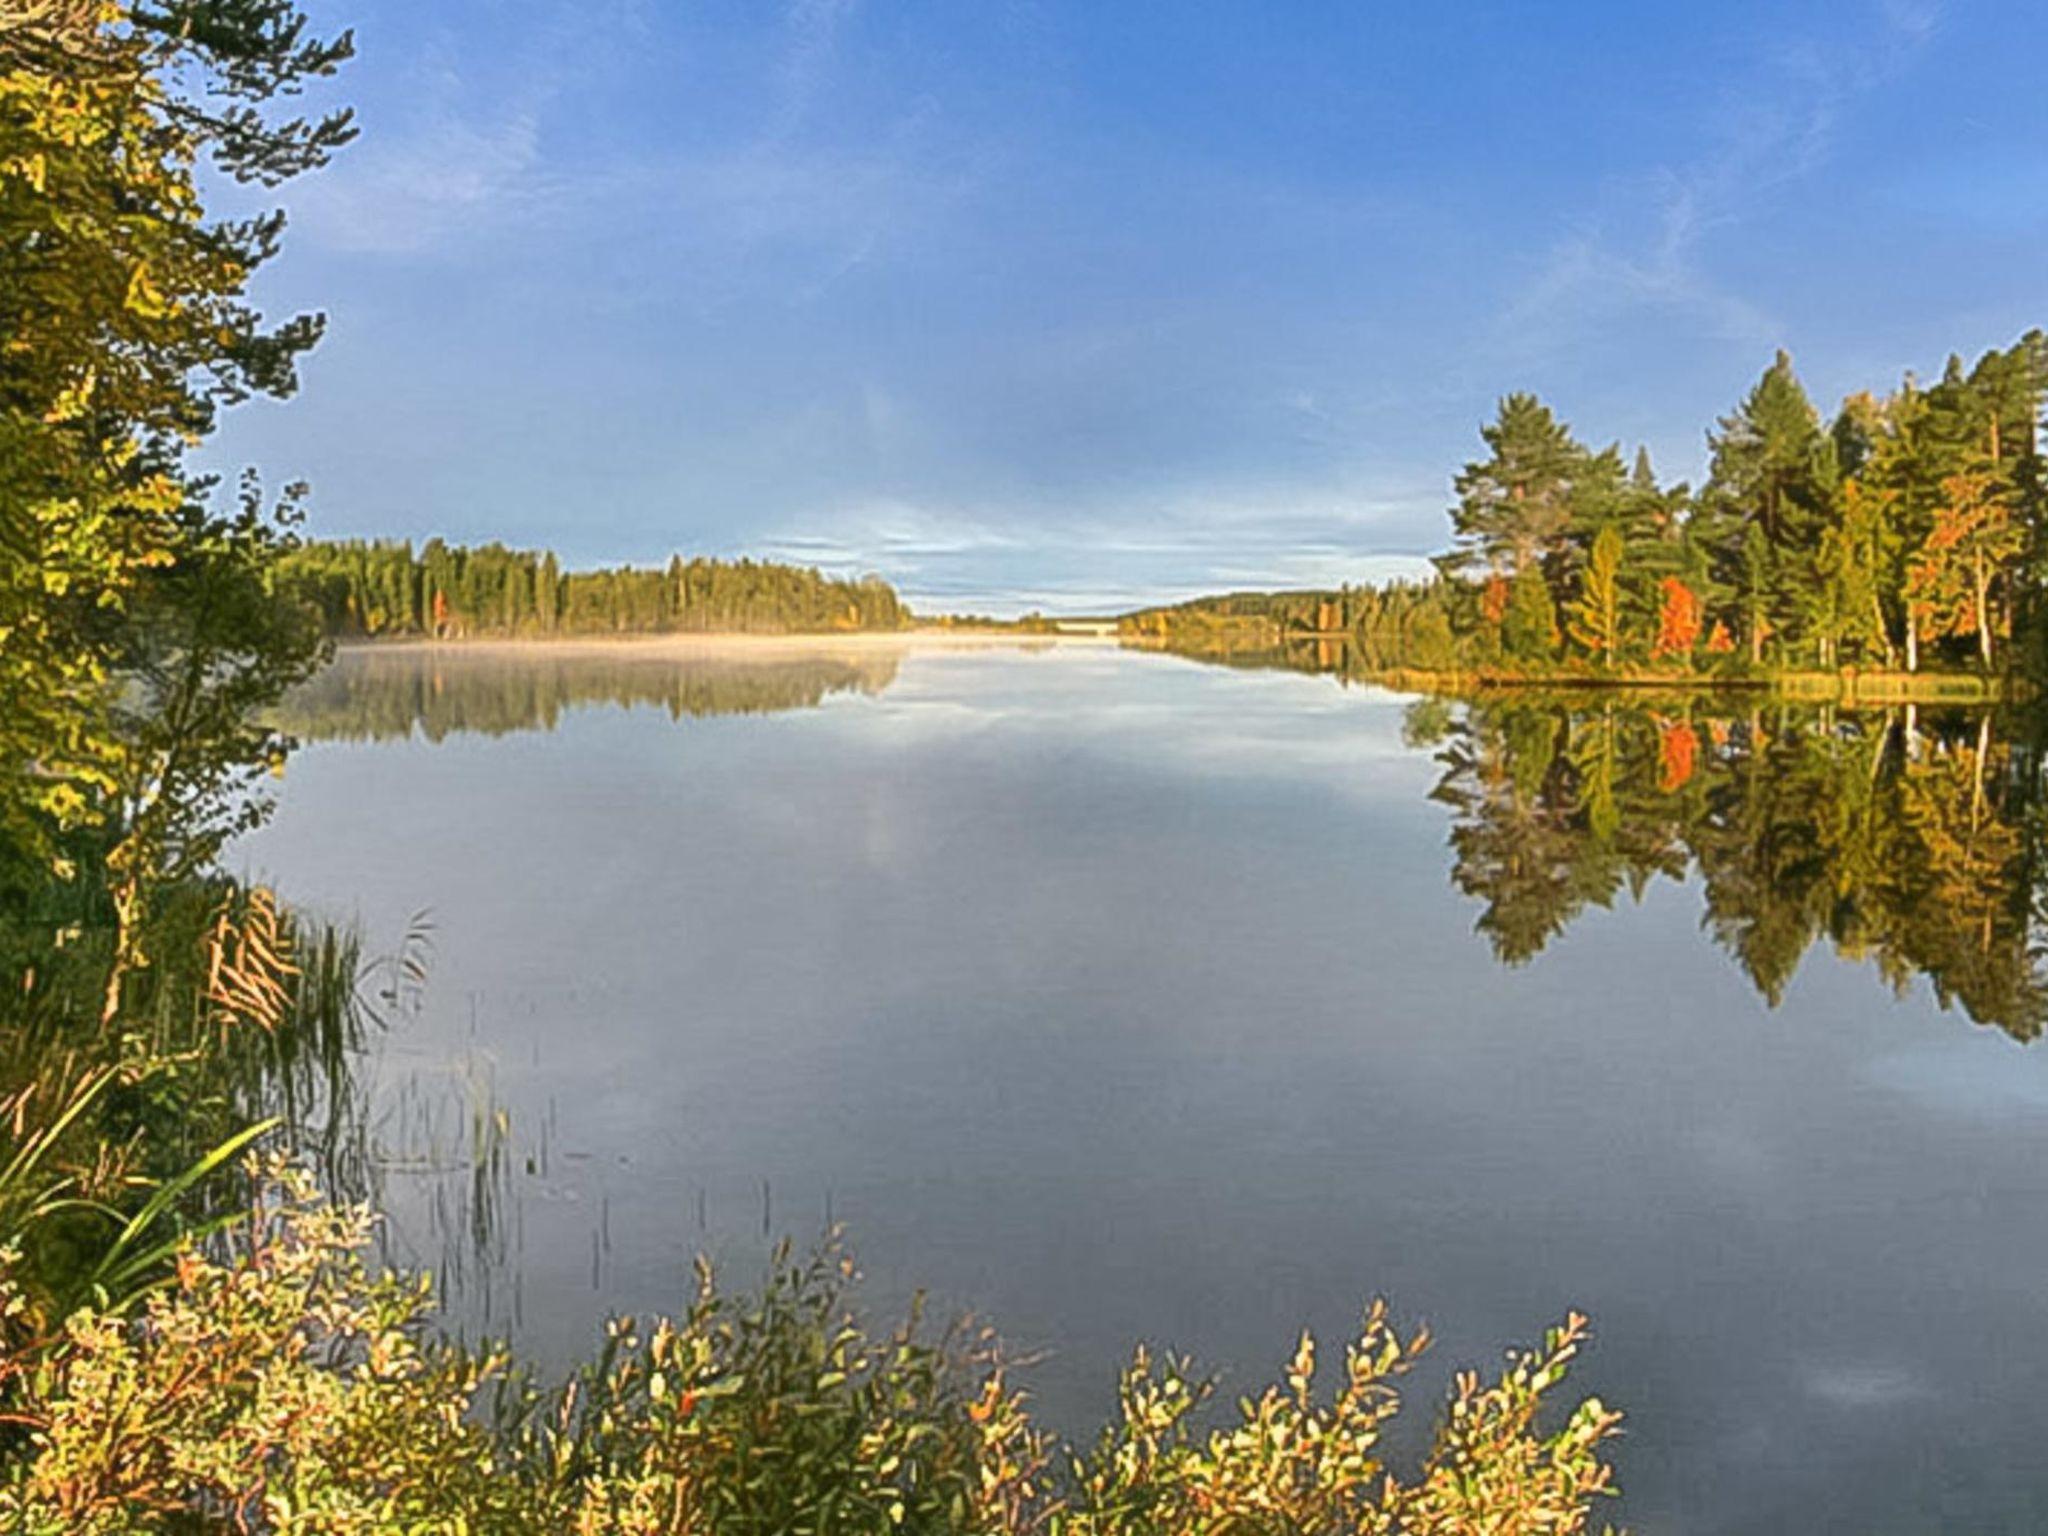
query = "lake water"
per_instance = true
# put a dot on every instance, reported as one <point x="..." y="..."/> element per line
<point x="1119" y="996"/>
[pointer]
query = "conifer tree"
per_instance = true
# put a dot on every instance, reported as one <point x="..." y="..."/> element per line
<point x="1773" y="471"/>
<point x="1515" y="507"/>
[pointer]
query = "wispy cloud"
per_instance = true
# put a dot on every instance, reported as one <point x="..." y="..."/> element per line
<point x="1183" y="546"/>
<point x="836" y="206"/>
<point x="1775" y="126"/>
<point x="467" y="155"/>
<point x="428" y="189"/>
<point x="454" y="154"/>
<point x="812" y="28"/>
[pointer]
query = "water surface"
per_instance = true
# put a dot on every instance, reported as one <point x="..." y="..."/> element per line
<point x="1116" y="997"/>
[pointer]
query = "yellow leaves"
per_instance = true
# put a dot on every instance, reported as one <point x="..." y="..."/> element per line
<point x="73" y="400"/>
<point x="33" y="169"/>
<point x="279" y="1369"/>
<point x="145" y="298"/>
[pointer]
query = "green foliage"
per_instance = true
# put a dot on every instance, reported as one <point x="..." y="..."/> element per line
<point x="1597" y="613"/>
<point x="1916" y="525"/>
<point x="1517" y="507"/>
<point x="127" y="323"/>
<point x="247" y="1015"/>
<point x="1294" y="1463"/>
<point x="1529" y="627"/>
<point x="281" y="1388"/>
<point x="447" y="592"/>
<point x="278" y="1384"/>
<point x="1769" y="495"/>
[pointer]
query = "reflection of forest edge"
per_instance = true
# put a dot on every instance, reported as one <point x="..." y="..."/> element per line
<point x="373" y="695"/>
<point x="1906" y="837"/>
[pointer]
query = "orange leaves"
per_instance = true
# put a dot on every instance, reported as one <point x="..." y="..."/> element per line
<point x="1974" y="534"/>
<point x="1679" y="619"/>
<point x="1678" y="750"/>
<point x="1493" y="599"/>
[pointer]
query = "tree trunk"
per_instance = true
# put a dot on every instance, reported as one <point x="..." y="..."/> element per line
<point x="1983" y="586"/>
<point x="1884" y="632"/>
<point x="124" y="898"/>
<point x="1912" y="645"/>
<point x="1977" y="779"/>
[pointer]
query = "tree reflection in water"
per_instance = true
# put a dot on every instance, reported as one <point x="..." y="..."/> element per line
<point x="382" y="694"/>
<point x="1908" y="838"/>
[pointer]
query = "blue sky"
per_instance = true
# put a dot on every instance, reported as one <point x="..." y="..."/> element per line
<point x="1080" y="303"/>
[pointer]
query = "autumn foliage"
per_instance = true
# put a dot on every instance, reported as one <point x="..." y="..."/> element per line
<point x="281" y="1385"/>
<point x="1679" y="619"/>
<point x="1678" y="750"/>
<point x="1493" y="599"/>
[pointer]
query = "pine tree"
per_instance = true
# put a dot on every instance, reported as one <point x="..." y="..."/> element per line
<point x="1515" y="508"/>
<point x="1773" y="471"/>
<point x="547" y="595"/>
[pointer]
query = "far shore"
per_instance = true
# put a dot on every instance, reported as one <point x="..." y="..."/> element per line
<point x="738" y="644"/>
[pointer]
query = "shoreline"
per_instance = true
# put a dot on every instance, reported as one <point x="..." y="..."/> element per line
<point x="1836" y="687"/>
<point x="727" y="643"/>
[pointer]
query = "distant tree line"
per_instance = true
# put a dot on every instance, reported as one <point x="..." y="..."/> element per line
<point x="1911" y="528"/>
<point x="446" y="591"/>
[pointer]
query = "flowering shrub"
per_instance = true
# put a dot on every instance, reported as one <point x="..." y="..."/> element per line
<point x="280" y="1386"/>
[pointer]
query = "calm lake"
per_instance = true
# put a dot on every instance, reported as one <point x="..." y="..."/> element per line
<point x="1115" y="995"/>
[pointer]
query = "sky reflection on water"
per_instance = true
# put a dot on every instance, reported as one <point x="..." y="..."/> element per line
<point x="1116" y="996"/>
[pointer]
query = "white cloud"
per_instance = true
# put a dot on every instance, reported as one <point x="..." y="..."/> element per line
<point x="1182" y="547"/>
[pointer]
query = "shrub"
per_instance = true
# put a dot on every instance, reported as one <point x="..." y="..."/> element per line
<point x="277" y="1385"/>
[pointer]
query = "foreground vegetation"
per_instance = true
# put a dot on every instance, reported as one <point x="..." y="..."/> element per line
<point x="281" y="1386"/>
<point x="179" y="1356"/>
<point x="1909" y="531"/>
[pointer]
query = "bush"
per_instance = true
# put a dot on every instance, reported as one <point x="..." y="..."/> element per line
<point x="278" y="1385"/>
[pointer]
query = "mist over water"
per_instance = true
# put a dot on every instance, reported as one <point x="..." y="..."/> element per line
<point x="1116" y="996"/>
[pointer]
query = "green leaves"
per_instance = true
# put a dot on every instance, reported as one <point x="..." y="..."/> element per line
<point x="128" y="325"/>
<point x="274" y="1380"/>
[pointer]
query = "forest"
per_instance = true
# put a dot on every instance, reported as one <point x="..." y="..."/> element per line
<point x="386" y="588"/>
<point x="1907" y="532"/>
